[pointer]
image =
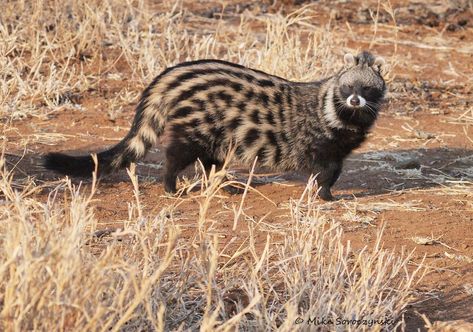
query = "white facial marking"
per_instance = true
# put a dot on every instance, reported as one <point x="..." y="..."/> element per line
<point x="349" y="100"/>
<point x="362" y="101"/>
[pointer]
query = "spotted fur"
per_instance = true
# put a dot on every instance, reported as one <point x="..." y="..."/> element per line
<point x="200" y="108"/>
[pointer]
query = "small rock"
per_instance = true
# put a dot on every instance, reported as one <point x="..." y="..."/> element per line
<point x="423" y="134"/>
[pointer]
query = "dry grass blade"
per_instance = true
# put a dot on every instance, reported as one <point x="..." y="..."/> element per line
<point x="460" y="258"/>
<point x="429" y="241"/>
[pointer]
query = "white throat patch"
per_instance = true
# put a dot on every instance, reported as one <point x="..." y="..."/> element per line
<point x="330" y="114"/>
<point x="362" y="101"/>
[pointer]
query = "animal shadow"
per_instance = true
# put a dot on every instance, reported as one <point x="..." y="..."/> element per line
<point x="364" y="174"/>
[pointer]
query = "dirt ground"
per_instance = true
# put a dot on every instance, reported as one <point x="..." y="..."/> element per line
<point x="414" y="175"/>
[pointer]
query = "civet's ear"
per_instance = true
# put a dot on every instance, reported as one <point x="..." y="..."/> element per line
<point x="349" y="59"/>
<point x="379" y="63"/>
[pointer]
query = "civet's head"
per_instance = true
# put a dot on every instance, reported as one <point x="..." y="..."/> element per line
<point x="361" y="89"/>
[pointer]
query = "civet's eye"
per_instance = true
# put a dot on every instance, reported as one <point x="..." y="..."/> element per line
<point x="347" y="88"/>
<point x="367" y="88"/>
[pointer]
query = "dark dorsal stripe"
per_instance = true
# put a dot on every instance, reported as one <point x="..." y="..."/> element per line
<point x="193" y="73"/>
<point x="187" y="76"/>
<point x="265" y="83"/>
<point x="200" y="87"/>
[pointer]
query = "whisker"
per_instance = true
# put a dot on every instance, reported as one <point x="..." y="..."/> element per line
<point x="370" y="107"/>
<point x="372" y="112"/>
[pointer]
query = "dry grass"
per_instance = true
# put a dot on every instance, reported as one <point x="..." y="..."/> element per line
<point x="57" y="275"/>
<point x="51" y="58"/>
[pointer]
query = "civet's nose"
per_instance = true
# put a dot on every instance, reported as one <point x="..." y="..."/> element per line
<point x="354" y="100"/>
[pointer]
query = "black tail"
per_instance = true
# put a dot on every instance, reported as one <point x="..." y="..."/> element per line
<point x="69" y="165"/>
<point x="108" y="161"/>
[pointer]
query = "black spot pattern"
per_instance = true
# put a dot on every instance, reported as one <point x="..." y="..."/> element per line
<point x="249" y="94"/>
<point x="262" y="154"/>
<point x="264" y="98"/>
<point x="182" y="112"/>
<point x="270" y="118"/>
<point x="277" y="98"/>
<point x="255" y="117"/>
<point x="235" y="123"/>
<point x="209" y="118"/>
<point x="251" y="136"/>
<point x="227" y="98"/>
<point x="241" y="106"/>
